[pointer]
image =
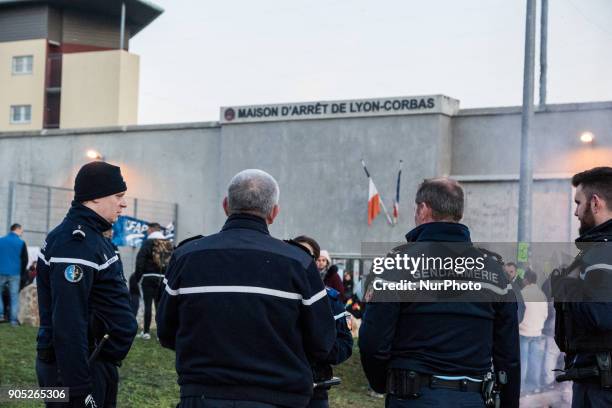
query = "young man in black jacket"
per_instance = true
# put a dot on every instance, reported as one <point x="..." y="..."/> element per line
<point x="584" y="295"/>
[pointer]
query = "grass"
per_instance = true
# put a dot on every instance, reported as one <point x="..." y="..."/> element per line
<point x="148" y="378"/>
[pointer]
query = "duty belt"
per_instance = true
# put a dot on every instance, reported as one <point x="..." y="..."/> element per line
<point x="46" y="355"/>
<point x="603" y="372"/>
<point x="408" y="384"/>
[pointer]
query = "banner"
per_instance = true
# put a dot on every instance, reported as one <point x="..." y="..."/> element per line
<point x="130" y="231"/>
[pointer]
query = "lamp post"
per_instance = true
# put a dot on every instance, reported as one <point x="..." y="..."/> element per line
<point x="526" y="170"/>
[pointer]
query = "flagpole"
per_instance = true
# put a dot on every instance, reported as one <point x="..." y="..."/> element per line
<point x="382" y="204"/>
<point x="365" y="168"/>
<point x="397" y="195"/>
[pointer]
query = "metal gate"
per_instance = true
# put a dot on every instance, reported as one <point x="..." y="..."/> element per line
<point x="39" y="208"/>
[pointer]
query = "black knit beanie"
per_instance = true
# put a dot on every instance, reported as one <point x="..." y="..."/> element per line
<point x="96" y="180"/>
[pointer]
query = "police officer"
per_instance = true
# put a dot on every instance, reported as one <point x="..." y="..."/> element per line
<point x="86" y="323"/>
<point x="439" y="352"/>
<point x="584" y="295"/>
<point x="243" y="310"/>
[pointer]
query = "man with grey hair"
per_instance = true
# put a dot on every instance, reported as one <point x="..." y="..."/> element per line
<point x="244" y="311"/>
<point x="253" y="191"/>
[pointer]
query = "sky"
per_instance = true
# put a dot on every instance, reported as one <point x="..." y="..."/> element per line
<point x="201" y="55"/>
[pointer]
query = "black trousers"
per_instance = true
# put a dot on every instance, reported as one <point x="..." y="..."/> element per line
<point x="104" y="377"/>
<point x="323" y="403"/>
<point x="150" y="295"/>
<point x="438" y="397"/>
<point x="135" y="302"/>
<point x="588" y="395"/>
<point x="202" y="402"/>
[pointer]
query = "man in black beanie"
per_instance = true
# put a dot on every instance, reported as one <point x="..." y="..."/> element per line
<point x="86" y="323"/>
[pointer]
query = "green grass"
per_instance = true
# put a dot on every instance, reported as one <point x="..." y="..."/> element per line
<point x="148" y="378"/>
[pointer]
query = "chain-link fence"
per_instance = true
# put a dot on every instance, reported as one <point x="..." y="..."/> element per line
<point x="40" y="208"/>
<point x="4" y="223"/>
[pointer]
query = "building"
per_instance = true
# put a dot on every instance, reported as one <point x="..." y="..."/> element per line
<point x="315" y="150"/>
<point x="66" y="64"/>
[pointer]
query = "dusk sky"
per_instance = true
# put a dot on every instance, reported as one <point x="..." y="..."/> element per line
<point x="200" y="55"/>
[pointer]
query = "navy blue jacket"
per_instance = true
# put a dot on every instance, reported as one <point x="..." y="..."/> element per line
<point x="592" y="315"/>
<point x="82" y="295"/>
<point x="444" y="338"/>
<point x="343" y="346"/>
<point x="245" y="312"/>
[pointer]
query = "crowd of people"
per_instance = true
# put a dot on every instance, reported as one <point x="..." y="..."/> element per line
<point x="260" y="322"/>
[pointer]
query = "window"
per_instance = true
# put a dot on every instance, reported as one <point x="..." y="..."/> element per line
<point x="21" y="114"/>
<point x="22" y="65"/>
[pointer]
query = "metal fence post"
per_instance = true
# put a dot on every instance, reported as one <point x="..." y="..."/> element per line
<point x="11" y="203"/>
<point x="48" y="209"/>
<point x="175" y="222"/>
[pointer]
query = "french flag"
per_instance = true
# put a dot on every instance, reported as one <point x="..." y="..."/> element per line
<point x="373" y="197"/>
<point x="373" y="201"/>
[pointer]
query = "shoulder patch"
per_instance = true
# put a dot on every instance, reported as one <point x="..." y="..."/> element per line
<point x="78" y="234"/>
<point x="494" y="255"/>
<point x="400" y="249"/>
<point x="73" y="273"/>
<point x="183" y="242"/>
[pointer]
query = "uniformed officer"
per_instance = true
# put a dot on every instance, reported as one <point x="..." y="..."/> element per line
<point x="86" y="323"/>
<point x="244" y="310"/>
<point x="438" y="349"/>
<point x="584" y="295"/>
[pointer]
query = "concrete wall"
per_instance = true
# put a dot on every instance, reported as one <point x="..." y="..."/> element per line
<point x="317" y="164"/>
<point x="487" y="141"/>
<point x="172" y="163"/>
<point x="323" y="186"/>
<point x="491" y="211"/>
<point x="486" y="148"/>
<point x="22" y="89"/>
<point x="99" y="89"/>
